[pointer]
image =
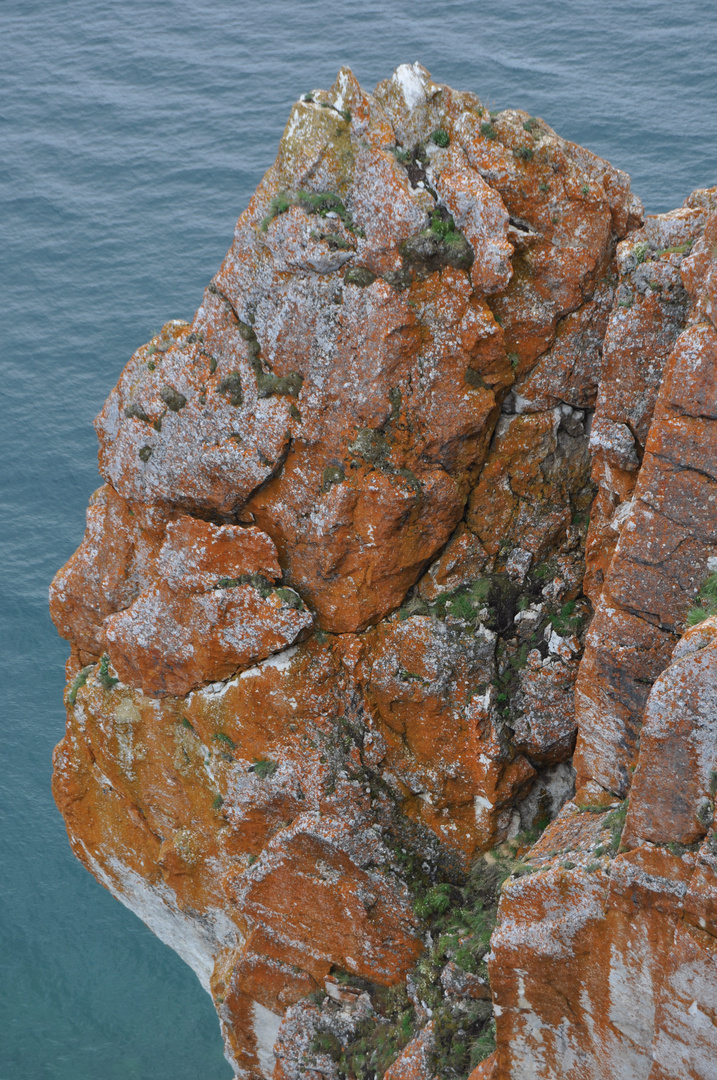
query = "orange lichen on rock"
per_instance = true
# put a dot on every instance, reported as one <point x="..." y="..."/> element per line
<point x="660" y="562"/>
<point x="650" y="312"/>
<point x="610" y="935"/>
<point x="674" y="786"/>
<point x="330" y="619"/>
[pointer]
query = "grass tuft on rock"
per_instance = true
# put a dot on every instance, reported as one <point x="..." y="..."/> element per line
<point x="311" y="202"/>
<point x="264" y="768"/>
<point x="106" y="680"/>
<point x="706" y="606"/>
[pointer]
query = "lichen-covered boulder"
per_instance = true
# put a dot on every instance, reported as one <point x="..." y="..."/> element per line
<point x="332" y="639"/>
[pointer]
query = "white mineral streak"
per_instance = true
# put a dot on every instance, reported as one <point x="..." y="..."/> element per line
<point x="197" y="940"/>
<point x="408" y="77"/>
<point x="266" y="1028"/>
<point x="281" y="661"/>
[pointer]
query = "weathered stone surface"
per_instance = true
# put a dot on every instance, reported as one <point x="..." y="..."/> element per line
<point x="613" y="948"/>
<point x="464" y="984"/>
<point x="360" y="488"/>
<point x="414" y="1063"/>
<point x="625" y="940"/>
<point x="487" y="1070"/>
<point x="328" y="618"/>
<point x="543" y="720"/>
<point x="240" y="806"/>
<point x="462" y="561"/>
<point x="108" y="570"/>
<point x="650" y="312"/>
<point x="174" y="603"/>
<point x="660" y="562"/>
<point x="420" y="676"/>
<point x="673" y="790"/>
<point x="532" y="483"/>
<point x="168" y="643"/>
<point x="569" y="371"/>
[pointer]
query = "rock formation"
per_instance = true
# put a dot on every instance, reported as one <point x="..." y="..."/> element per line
<point x="423" y="494"/>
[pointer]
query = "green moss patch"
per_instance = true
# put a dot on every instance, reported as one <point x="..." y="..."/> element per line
<point x="311" y="202"/>
<point x="441" y="244"/>
<point x="79" y="680"/>
<point x="263" y="768"/>
<point x="172" y="398"/>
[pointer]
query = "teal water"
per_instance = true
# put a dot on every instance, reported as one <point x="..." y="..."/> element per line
<point x="131" y="137"/>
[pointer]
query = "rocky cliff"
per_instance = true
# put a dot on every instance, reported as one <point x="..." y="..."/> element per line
<point x="381" y="708"/>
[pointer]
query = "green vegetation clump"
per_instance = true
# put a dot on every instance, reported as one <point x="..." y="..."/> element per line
<point x="404" y="157"/>
<point x="135" y="410"/>
<point x="567" y="621"/>
<point x="222" y="737"/>
<point x="443" y="225"/>
<point x="707" y="602"/>
<point x="103" y="675"/>
<point x="371" y="446"/>
<point x="677" y="249"/>
<point x="441" y="244"/>
<point x="492" y="600"/>
<point x="488" y="130"/>
<point x="226" y="583"/>
<point x="545" y="571"/>
<point x="311" y="202"/>
<point x="264" y="768"/>
<point x="266" y="382"/>
<point x="441" y="138"/>
<point x="217" y="802"/>
<point x="359" y="275"/>
<point x="615" y="822"/>
<point x="460" y="915"/>
<point x="523" y="153"/>
<point x="172" y="398"/>
<point x="436" y="901"/>
<point x="279" y="205"/>
<point x="287" y="385"/>
<point x="457" y="1050"/>
<point x="461" y="921"/>
<point x="325" y="1042"/>
<point x="332" y="474"/>
<point x="380" y="1039"/>
<point x="231" y="386"/>
<point x="334" y="240"/>
<point x="415" y="606"/>
<point x="79" y="680"/>
<point x="289" y="598"/>
<point x="262" y="584"/>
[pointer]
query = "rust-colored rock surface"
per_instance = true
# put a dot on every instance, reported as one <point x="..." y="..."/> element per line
<point x="661" y="559"/>
<point x="615" y="937"/>
<point x="416" y="506"/>
<point x="674" y="785"/>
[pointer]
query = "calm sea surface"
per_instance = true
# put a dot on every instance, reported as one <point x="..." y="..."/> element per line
<point x="131" y="137"/>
